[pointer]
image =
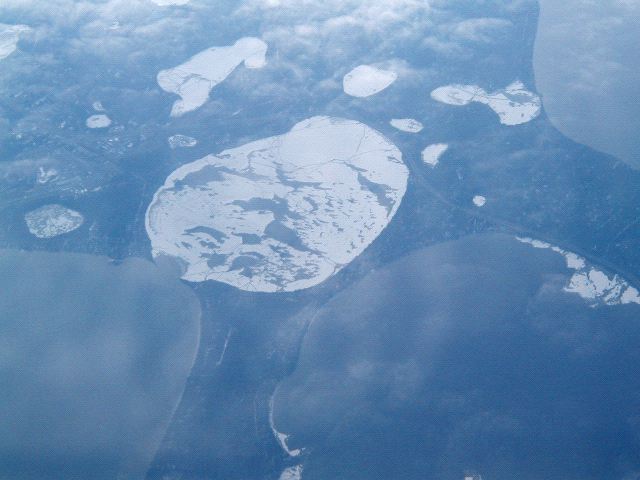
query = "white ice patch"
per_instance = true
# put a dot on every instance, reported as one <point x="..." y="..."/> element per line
<point x="45" y="176"/>
<point x="409" y="125"/>
<point x="176" y="141"/>
<point x="431" y="155"/>
<point x="98" y="121"/>
<point x="282" y="213"/>
<point x="514" y="105"/>
<point x="281" y="438"/>
<point x="9" y="37"/>
<point x="52" y="220"/>
<point x="97" y="106"/>
<point x="589" y="282"/>
<point x="292" y="473"/>
<point x="479" y="201"/>
<point x="365" y="80"/>
<point x="194" y="79"/>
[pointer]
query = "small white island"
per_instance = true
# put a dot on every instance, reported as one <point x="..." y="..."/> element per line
<point x="432" y="153"/>
<point x="193" y="80"/>
<point x="366" y="80"/>
<point x="98" y="121"/>
<point x="409" y="125"/>
<point x="514" y="104"/>
<point x="479" y="201"/>
<point x="52" y="220"/>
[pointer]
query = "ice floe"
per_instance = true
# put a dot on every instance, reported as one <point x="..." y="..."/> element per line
<point x="514" y="104"/>
<point x="365" y="80"/>
<point x="292" y="473"/>
<point x="97" y="106"/>
<point x="409" y="125"/>
<point x="9" y="37"/>
<point x="281" y="213"/>
<point x="431" y="154"/>
<point x="589" y="282"/>
<point x="98" y="121"/>
<point x="176" y="141"/>
<point x="479" y="201"/>
<point x="52" y="220"/>
<point x="194" y="79"/>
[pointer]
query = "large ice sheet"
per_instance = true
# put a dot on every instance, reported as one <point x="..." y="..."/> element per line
<point x="194" y="79"/>
<point x="282" y="213"/>
<point x="514" y="104"/>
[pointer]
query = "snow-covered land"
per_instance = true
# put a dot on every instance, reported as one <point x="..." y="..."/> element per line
<point x="479" y="201"/>
<point x="409" y="125"/>
<point x="282" y="213"/>
<point x="514" y="104"/>
<point x="98" y="121"/>
<point x="431" y="154"/>
<point x="176" y="141"/>
<point x="365" y="80"/>
<point x="589" y="282"/>
<point x="194" y="79"/>
<point x="52" y="220"/>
